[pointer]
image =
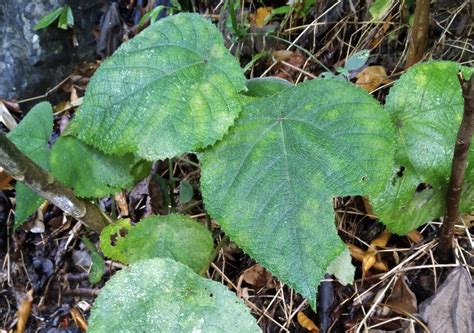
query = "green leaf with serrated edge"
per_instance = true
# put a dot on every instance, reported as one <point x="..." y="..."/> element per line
<point x="90" y="172"/>
<point x="186" y="192"/>
<point x="170" y="236"/>
<point x="98" y="265"/>
<point x="48" y="19"/>
<point x="266" y="86"/>
<point x="31" y="137"/>
<point x="164" y="295"/>
<point x="270" y="182"/>
<point x="32" y="134"/>
<point x="426" y="107"/>
<point x="171" y="89"/>
<point x="112" y="235"/>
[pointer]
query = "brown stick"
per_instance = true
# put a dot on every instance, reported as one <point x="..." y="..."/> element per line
<point x="20" y="167"/>
<point x="419" y="32"/>
<point x="458" y="168"/>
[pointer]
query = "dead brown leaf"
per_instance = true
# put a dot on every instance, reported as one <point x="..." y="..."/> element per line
<point x="415" y="236"/>
<point x="368" y="261"/>
<point x="6" y="117"/>
<point x="402" y="299"/>
<point x="372" y="77"/>
<point x="368" y="206"/>
<point x="468" y="219"/>
<point x="371" y="257"/>
<point x="359" y="254"/>
<point x="282" y="55"/>
<point x="5" y="180"/>
<point x="306" y="323"/>
<point x="261" y="16"/>
<point x="258" y="277"/>
<point x="12" y="106"/>
<point x="451" y="308"/>
<point x="382" y="239"/>
<point x="288" y="64"/>
<point x="24" y="312"/>
<point x="381" y="33"/>
<point x="356" y="252"/>
<point x="60" y="106"/>
<point x="67" y="105"/>
<point x="79" y="319"/>
<point x="122" y="205"/>
<point x="73" y="97"/>
<point x="297" y="60"/>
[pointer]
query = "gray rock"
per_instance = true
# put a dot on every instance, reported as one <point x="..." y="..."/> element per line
<point x="31" y="62"/>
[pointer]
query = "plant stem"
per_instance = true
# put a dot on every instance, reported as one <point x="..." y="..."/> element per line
<point x="172" y="205"/>
<point x="20" y="167"/>
<point x="209" y="222"/>
<point x="219" y="247"/>
<point x="458" y="168"/>
<point x="419" y="32"/>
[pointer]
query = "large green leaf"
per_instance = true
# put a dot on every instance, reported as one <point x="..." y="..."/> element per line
<point x="171" y="236"/>
<point x="426" y="106"/>
<point x="90" y="172"/>
<point x="271" y="180"/>
<point x="172" y="89"/>
<point x="161" y="295"/>
<point x="31" y="137"/>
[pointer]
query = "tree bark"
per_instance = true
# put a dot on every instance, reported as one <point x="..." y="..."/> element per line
<point x="419" y="33"/>
<point x="20" y="167"/>
<point x="458" y="168"/>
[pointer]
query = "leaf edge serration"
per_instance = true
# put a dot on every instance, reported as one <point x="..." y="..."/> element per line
<point x="237" y="81"/>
